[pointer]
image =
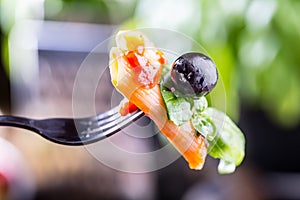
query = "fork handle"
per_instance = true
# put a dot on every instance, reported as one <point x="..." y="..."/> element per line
<point x="20" y="122"/>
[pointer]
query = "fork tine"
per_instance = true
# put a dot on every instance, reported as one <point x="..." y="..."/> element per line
<point x="103" y="122"/>
<point x="125" y="122"/>
<point x="111" y="127"/>
<point x="138" y="114"/>
<point x="99" y="117"/>
<point x="106" y="114"/>
<point x="107" y="120"/>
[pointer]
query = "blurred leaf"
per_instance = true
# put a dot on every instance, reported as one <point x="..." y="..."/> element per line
<point x="95" y="11"/>
<point x="255" y="45"/>
<point x="224" y="96"/>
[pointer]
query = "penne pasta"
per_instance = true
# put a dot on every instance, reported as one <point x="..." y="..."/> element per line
<point x="147" y="97"/>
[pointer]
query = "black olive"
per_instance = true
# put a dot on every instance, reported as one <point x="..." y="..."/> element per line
<point x="194" y="74"/>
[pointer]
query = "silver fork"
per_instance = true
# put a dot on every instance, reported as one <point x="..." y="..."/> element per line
<point x="80" y="131"/>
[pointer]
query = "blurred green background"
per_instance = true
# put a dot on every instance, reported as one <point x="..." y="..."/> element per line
<point x="254" y="43"/>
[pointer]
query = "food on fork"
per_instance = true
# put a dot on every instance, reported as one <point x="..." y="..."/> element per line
<point x="174" y="98"/>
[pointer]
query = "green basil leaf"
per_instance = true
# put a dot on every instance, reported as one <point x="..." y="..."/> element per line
<point x="204" y="125"/>
<point x="179" y="109"/>
<point x="229" y="144"/>
<point x="225" y="140"/>
<point x="200" y="104"/>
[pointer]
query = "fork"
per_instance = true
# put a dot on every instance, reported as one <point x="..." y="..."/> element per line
<point x="78" y="131"/>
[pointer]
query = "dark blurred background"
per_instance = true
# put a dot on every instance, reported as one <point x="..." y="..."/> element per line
<point x="255" y="45"/>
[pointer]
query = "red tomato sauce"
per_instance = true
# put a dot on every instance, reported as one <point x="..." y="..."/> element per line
<point x="147" y="73"/>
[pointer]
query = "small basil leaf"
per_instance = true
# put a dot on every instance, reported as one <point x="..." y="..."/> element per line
<point x="225" y="140"/>
<point x="179" y="109"/>
<point x="200" y="104"/>
<point x="204" y="126"/>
